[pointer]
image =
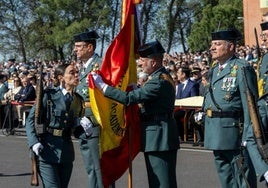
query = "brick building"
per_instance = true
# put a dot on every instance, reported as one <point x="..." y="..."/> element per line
<point x="253" y="11"/>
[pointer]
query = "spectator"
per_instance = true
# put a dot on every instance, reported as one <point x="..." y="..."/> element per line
<point x="32" y="79"/>
<point x="186" y="88"/>
<point x="3" y="90"/>
<point x="26" y="93"/>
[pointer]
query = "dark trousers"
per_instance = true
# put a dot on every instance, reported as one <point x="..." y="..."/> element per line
<point x="228" y="168"/>
<point x="161" y="168"/>
<point x="55" y="175"/>
<point x="90" y="152"/>
<point x="179" y="115"/>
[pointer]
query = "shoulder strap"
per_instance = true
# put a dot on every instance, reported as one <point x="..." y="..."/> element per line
<point x="168" y="78"/>
<point x="211" y="92"/>
<point x="49" y="106"/>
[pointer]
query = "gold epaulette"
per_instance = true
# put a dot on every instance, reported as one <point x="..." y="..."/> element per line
<point x="168" y="78"/>
<point x="214" y="63"/>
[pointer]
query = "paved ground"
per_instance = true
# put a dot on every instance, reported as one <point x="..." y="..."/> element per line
<point x="195" y="167"/>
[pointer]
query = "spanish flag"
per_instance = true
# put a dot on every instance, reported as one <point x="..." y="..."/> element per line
<point x="120" y="133"/>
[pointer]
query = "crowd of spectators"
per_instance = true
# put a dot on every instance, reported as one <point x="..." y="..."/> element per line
<point x="13" y="71"/>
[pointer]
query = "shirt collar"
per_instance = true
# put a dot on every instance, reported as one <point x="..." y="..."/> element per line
<point x="89" y="61"/>
<point x="185" y="82"/>
<point x="63" y="90"/>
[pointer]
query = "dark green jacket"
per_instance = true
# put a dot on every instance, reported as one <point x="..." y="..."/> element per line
<point x="227" y="133"/>
<point x="56" y="149"/>
<point x="157" y="97"/>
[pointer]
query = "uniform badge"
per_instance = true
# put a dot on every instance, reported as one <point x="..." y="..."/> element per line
<point x="84" y="91"/>
<point x="96" y="67"/>
<point x="234" y="71"/>
<point x="228" y="96"/>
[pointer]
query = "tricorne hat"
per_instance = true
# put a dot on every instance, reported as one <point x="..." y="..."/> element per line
<point x="86" y="36"/>
<point x="151" y="49"/>
<point x="264" y="26"/>
<point x="228" y="34"/>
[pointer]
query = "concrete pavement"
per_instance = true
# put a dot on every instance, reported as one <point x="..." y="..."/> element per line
<point x="195" y="167"/>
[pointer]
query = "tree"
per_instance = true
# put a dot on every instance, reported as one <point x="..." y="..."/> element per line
<point x="14" y="21"/>
<point x="221" y="16"/>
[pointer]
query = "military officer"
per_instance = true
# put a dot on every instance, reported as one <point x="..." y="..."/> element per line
<point x="61" y="114"/>
<point x="263" y="111"/>
<point x="85" y="45"/>
<point x="159" y="132"/>
<point x="262" y="66"/>
<point x="227" y="118"/>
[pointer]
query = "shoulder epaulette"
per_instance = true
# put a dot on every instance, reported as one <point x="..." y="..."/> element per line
<point x="168" y="78"/>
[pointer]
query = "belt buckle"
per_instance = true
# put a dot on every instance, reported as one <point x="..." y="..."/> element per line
<point x="57" y="132"/>
<point x="209" y="112"/>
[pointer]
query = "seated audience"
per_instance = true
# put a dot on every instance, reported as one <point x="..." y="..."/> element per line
<point x="26" y="93"/>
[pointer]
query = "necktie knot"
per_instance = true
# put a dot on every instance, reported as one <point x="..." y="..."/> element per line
<point x="68" y="100"/>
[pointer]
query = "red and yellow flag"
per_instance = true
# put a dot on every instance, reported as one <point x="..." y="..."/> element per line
<point x="118" y="70"/>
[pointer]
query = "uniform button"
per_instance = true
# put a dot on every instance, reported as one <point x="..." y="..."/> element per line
<point x="65" y="121"/>
<point x="66" y="114"/>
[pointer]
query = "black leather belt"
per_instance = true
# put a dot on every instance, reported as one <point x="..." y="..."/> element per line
<point x="66" y="133"/>
<point x="223" y="114"/>
<point x="156" y="117"/>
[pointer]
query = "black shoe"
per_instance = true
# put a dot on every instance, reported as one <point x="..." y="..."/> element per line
<point x="196" y="143"/>
<point x="20" y="125"/>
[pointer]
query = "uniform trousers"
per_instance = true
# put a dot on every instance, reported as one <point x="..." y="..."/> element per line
<point x="161" y="168"/>
<point x="91" y="155"/>
<point x="55" y="175"/>
<point x="230" y="170"/>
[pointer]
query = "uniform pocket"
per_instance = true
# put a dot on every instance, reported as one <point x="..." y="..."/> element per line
<point x="229" y="122"/>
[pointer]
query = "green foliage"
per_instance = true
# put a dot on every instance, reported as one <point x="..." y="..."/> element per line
<point x="222" y="16"/>
<point x="45" y="28"/>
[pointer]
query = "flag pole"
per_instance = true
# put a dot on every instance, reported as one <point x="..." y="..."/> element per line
<point x="123" y="20"/>
<point x="130" y="157"/>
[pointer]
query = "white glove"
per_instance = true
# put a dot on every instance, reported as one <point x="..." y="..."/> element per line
<point x="198" y="116"/>
<point x="87" y="125"/>
<point x="37" y="148"/>
<point x="266" y="176"/>
<point x="99" y="82"/>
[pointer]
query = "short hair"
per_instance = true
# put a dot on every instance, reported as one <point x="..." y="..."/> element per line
<point x="186" y="71"/>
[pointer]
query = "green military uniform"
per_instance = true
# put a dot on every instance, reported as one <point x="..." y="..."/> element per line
<point x="263" y="74"/>
<point x="89" y="145"/>
<point x="159" y="132"/>
<point x="57" y="156"/>
<point x="225" y="120"/>
<point x="263" y="66"/>
<point x="263" y="111"/>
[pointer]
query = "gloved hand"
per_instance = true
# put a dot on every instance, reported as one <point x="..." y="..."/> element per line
<point x="99" y="82"/>
<point x="37" y="148"/>
<point x="87" y="125"/>
<point x="266" y="176"/>
<point x="198" y="116"/>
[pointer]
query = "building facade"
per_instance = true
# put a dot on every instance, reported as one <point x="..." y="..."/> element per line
<point x="253" y="11"/>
